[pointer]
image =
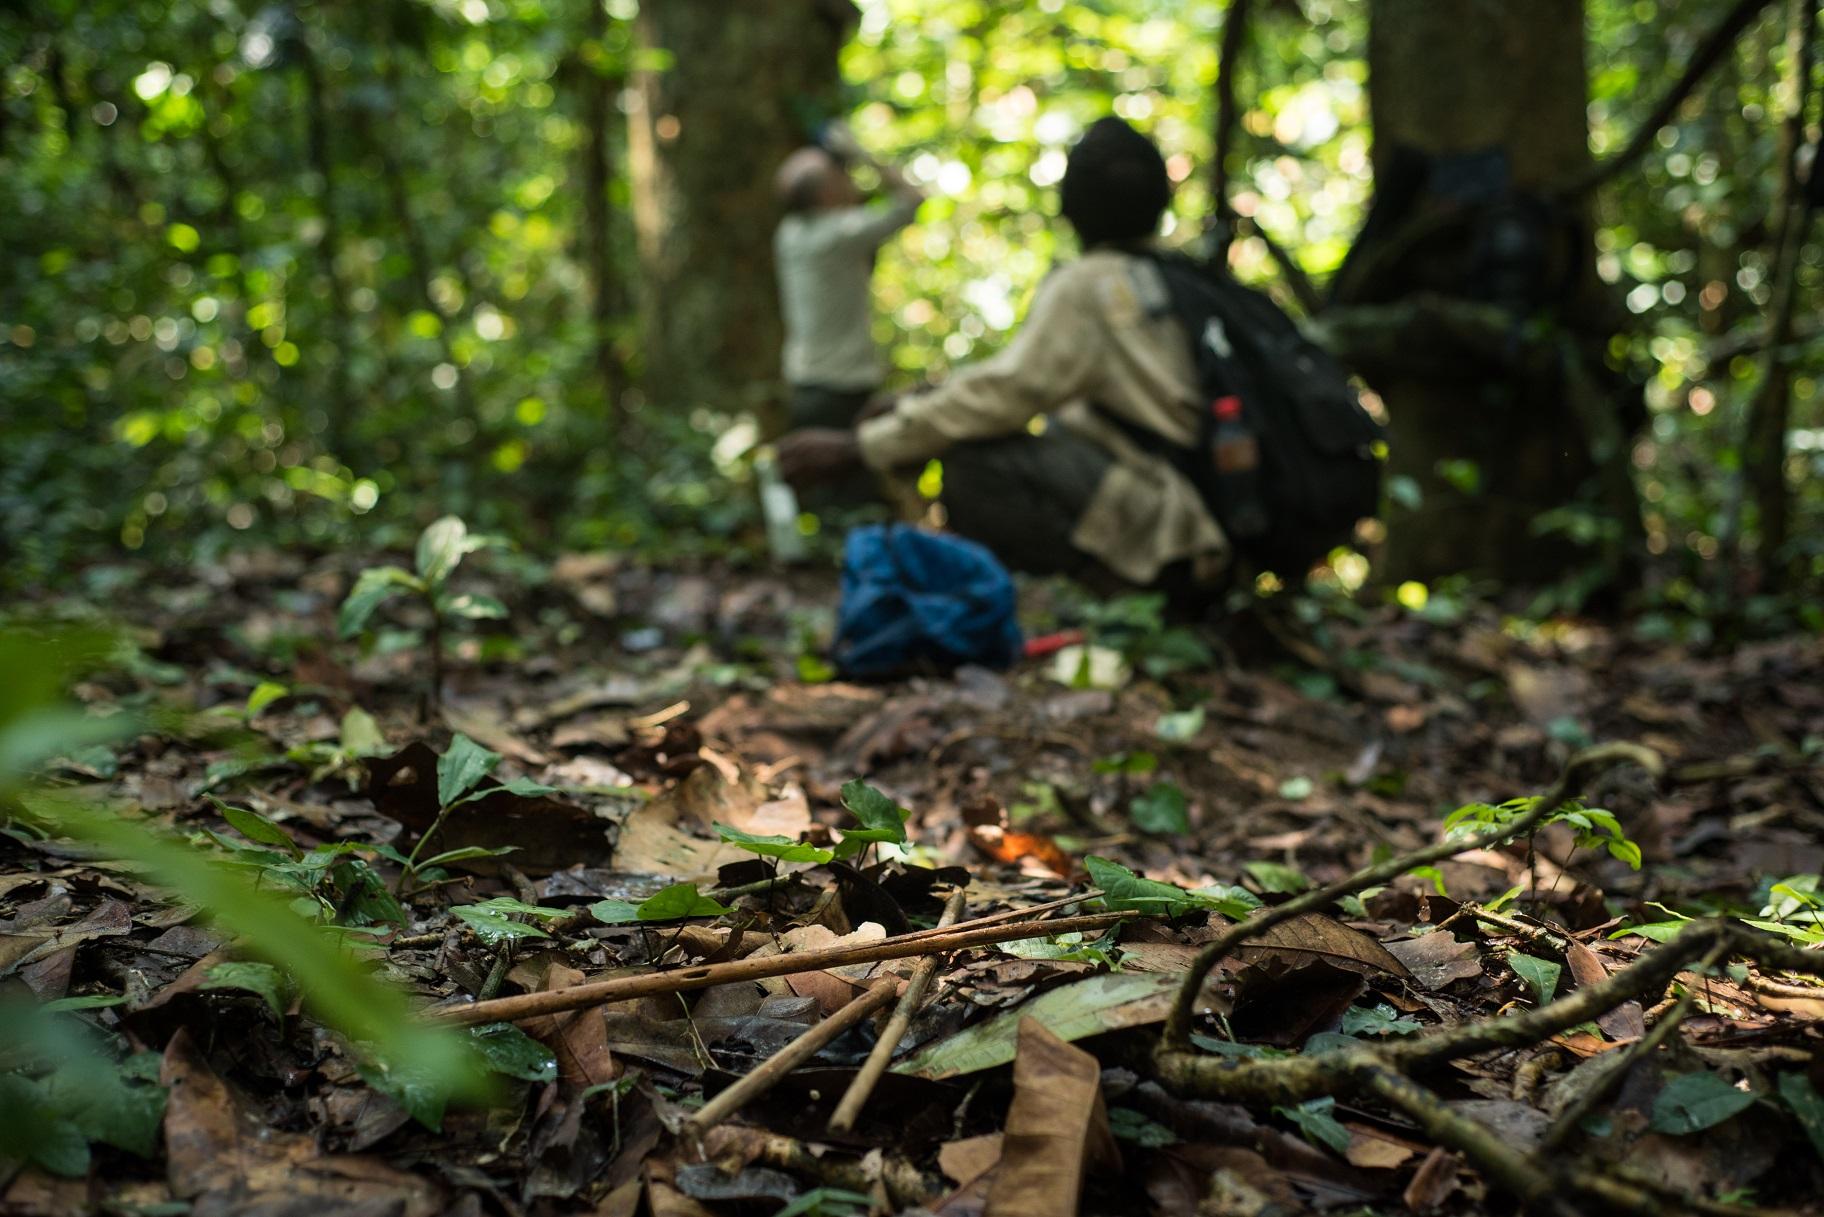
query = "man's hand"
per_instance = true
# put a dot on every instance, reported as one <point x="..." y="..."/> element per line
<point x="817" y="454"/>
<point x="839" y="140"/>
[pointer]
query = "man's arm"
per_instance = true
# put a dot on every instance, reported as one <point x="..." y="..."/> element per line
<point x="1052" y="361"/>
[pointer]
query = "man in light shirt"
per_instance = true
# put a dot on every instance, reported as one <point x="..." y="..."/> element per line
<point x="1099" y="357"/>
<point x="824" y="254"/>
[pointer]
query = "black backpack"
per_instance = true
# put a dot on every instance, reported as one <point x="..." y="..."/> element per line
<point x="1319" y="465"/>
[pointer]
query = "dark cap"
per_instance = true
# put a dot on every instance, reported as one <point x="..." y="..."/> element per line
<point x="1115" y="185"/>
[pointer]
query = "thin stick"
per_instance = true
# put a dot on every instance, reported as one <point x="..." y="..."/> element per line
<point x="1005" y="915"/>
<point x="871" y="1070"/>
<point x="790" y="1057"/>
<point x="624" y="988"/>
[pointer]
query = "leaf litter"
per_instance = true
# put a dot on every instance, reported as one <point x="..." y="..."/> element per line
<point x="589" y="809"/>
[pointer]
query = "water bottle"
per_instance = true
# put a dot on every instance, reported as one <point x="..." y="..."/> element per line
<point x="1235" y="456"/>
<point x="779" y="510"/>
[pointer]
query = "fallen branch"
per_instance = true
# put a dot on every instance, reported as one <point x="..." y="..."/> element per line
<point x="1576" y="773"/>
<point x="1386" y="1071"/>
<point x="1585" y="1103"/>
<point x="788" y="1058"/>
<point x="684" y="980"/>
<point x="856" y="1097"/>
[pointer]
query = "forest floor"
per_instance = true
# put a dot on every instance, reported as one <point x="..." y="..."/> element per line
<point x="1254" y="764"/>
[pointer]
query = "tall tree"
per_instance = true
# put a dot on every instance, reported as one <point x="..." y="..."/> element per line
<point x="734" y="89"/>
<point x="1499" y="412"/>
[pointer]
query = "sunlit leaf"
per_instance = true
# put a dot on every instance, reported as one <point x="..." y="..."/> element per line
<point x="881" y="818"/>
<point x="786" y="849"/>
<point x="462" y="765"/>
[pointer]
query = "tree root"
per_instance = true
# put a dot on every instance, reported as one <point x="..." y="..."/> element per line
<point x="1387" y="1072"/>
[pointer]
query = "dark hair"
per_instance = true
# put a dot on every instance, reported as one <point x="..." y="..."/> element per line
<point x="1115" y="185"/>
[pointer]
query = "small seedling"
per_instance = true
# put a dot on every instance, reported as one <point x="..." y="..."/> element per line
<point x="441" y="549"/>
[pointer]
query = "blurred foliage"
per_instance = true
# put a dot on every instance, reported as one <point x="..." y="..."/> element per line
<point x="306" y="270"/>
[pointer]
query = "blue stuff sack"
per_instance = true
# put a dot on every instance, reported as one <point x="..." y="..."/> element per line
<point x="911" y="597"/>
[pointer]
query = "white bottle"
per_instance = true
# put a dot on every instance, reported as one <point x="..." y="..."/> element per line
<point x="779" y="509"/>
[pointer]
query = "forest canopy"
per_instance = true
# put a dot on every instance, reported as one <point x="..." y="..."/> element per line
<point x="320" y="271"/>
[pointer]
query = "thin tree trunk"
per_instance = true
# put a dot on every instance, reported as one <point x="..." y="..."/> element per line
<point x="1770" y="411"/>
<point x="417" y="250"/>
<point x="605" y="300"/>
<point x="317" y="120"/>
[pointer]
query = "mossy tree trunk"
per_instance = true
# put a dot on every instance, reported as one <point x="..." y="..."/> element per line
<point x="1492" y="441"/>
<point x="729" y="90"/>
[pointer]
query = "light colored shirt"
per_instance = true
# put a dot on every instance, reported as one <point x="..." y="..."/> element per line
<point x="1097" y="332"/>
<point x="825" y="260"/>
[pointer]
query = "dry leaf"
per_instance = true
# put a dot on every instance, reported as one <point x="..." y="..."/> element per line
<point x="1056" y="1129"/>
<point x="1624" y="1022"/>
<point x="1438" y="958"/>
<point x="1315" y="936"/>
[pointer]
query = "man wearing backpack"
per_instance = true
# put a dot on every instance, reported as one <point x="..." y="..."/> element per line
<point x="1171" y="437"/>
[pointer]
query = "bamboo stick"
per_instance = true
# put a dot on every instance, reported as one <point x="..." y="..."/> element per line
<point x="683" y="980"/>
<point x="790" y="1057"/>
<point x="856" y="1097"/>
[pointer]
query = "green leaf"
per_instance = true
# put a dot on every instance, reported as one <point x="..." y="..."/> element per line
<point x="615" y="912"/>
<point x="340" y="990"/>
<point x="783" y="848"/>
<point x="374" y="588"/>
<point x="1071" y="1011"/>
<point x="492" y="920"/>
<point x="263" y="695"/>
<point x="1658" y="931"/>
<point x="525" y="788"/>
<point x="1277" y="877"/>
<point x="1540" y="975"/>
<point x="1693" y="1102"/>
<point x="440" y="547"/>
<point x="1800" y="1095"/>
<point x="1232" y="902"/>
<point x="828" y="1202"/>
<point x="493" y="928"/>
<point x="1180" y="727"/>
<point x="1376" y="1020"/>
<point x="881" y="818"/>
<point x="458" y="769"/>
<point x="261" y="979"/>
<point x="677" y="901"/>
<point x="1297" y="789"/>
<point x="1162" y="809"/>
<point x="509" y="1051"/>
<point x="1130" y="1125"/>
<point x="465" y="853"/>
<point x="471" y="606"/>
<point x="256" y="827"/>
<point x="1123" y="889"/>
<point x="1318" y="1125"/>
<point x="413" y="1089"/>
<point x="361" y="734"/>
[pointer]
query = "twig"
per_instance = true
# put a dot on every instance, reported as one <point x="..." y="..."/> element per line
<point x="790" y="1057"/>
<point x="1228" y="60"/>
<point x="1022" y="914"/>
<point x="683" y="980"/>
<point x="1585" y="1103"/>
<point x="1580" y="768"/>
<point x="1506" y="1167"/>
<point x="862" y="1086"/>
<point x="1708" y="53"/>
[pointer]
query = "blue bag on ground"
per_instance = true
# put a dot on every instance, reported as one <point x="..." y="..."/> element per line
<point x="912" y="597"/>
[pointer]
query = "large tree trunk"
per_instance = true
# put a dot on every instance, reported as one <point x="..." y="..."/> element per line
<point x="1529" y="400"/>
<point x="740" y="85"/>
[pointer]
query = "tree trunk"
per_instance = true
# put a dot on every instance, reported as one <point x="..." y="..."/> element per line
<point x="598" y="90"/>
<point x="1494" y="433"/>
<point x="742" y="84"/>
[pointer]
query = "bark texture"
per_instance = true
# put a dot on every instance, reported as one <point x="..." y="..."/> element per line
<point x="1540" y="415"/>
<point x="739" y="87"/>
